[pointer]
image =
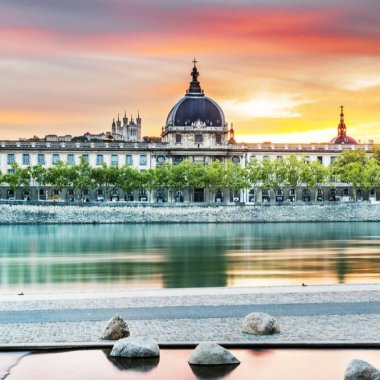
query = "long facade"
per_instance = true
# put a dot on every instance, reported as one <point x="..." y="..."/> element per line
<point x="195" y="130"/>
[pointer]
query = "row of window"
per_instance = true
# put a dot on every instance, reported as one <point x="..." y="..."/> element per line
<point x="71" y="159"/>
<point x="198" y="139"/>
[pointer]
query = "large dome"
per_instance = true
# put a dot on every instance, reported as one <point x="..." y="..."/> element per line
<point x="195" y="109"/>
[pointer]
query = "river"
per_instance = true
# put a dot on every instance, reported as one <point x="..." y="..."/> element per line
<point x="55" y="258"/>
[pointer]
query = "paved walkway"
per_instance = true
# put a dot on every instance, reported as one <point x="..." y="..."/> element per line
<point x="325" y="314"/>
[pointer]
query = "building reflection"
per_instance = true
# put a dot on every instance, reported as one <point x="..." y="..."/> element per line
<point x="201" y="255"/>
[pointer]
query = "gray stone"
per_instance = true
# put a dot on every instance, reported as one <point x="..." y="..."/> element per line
<point x="260" y="324"/>
<point x="208" y="353"/>
<point x="116" y="328"/>
<point x="360" y="370"/>
<point x="136" y="347"/>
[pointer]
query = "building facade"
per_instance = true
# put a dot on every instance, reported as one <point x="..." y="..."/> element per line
<point x="195" y="130"/>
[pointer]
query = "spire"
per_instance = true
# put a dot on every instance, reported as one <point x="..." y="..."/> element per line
<point x="125" y="113"/>
<point x="342" y="125"/>
<point x="195" y="88"/>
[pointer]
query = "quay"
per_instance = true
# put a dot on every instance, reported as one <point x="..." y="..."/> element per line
<point x="329" y="315"/>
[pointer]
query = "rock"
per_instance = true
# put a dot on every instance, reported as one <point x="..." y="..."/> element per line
<point x="116" y="329"/>
<point x="260" y="324"/>
<point x="207" y="353"/>
<point x="136" y="347"/>
<point x="361" y="370"/>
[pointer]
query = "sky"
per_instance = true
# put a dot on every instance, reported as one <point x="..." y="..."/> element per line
<point x="279" y="69"/>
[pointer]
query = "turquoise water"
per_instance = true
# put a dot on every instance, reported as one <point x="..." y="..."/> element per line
<point x="117" y="257"/>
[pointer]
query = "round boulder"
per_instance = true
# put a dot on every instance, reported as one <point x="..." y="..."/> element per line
<point x="360" y="370"/>
<point x="260" y="324"/>
<point x="116" y="328"/>
<point x="136" y="347"/>
<point x="207" y="353"/>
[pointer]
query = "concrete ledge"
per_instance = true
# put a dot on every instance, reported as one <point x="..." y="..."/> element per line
<point x="190" y="345"/>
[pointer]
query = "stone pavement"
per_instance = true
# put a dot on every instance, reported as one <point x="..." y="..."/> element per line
<point x="313" y="314"/>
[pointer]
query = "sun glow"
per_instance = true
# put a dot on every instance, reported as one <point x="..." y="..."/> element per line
<point x="267" y="106"/>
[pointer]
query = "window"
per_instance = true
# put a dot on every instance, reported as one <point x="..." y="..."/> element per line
<point x="85" y="157"/>
<point x="41" y="159"/>
<point x="99" y="159"/>
<point x="198" y="138"/>
<point x="218" y="139"/>
<point x="70" y="159"/>
<point x="128" y="159"/>
<point x="143" y="160"/>
<point x="178" y="139"/>
<point x="332" y="160"/>
<point x="25" y="159"/>
<point x="320" y="159"/>
<point x="55" y="158"/>
<point x="11" y="171"/>
<point x="11" y="158"/>
<point x="114" y="160"/>
<point x="160" y="160"/>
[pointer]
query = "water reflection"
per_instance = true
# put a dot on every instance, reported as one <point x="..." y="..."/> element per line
<point x="136" y="364"/>
<point x="204" y="372"/>
<point x="99" y="257"/>
<point x="292" y="364"/>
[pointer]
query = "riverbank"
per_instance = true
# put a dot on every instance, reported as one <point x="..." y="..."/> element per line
<point x="308" y="315"/>
<point x="187" y="213"/>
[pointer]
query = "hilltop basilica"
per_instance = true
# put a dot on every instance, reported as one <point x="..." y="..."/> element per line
<point x="195" y="130"/>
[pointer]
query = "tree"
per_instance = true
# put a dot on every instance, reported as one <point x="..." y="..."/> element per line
<point x="161" y="176"/>
<point x="177" y="177"/>
<point x="195" y="176"/>
<point x="235" y="178"/>
<point x="105" y="177"/>
<point x="349" y="168"/>
<point x="214" y="176"/>
<point x="82" y="176"/>
<point x="371" y="174"/>
<point x="58" y="176"/>
<point x="128" y="179"/>
<point x="279" y="174"/>
<point x="314" y="175"/>
<point x="37" y="174"/>
<point x="19" y="177"/>
<point x="293" y="172"/>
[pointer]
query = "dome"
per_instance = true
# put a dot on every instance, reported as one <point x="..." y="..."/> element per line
<point x="343" y="140"/>
<point x="195" y="109"/>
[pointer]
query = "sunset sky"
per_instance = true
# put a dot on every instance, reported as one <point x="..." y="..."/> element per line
<point x="279" y="69"/>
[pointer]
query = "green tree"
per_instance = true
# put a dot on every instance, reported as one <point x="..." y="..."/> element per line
<point x="314" y="175"/>
<point x="128" y="180"/>
<point x="293" y="169"/>
<point x="105" y="177"/>
<point x="371" y="174"/>
<point x="81" y="175"/>
<point x="177" y="177"/>
<point x="37" y="174"/>
<point x="214" y="178"/>
<point x="235" y="178"/>
<point x="18" y="178"/>
<point x="349" y="168"/>
<point x="195" y="176"/>
<point x="58" y="176"/>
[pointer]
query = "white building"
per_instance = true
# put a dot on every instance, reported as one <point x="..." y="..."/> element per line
<point x="195" y="130"/>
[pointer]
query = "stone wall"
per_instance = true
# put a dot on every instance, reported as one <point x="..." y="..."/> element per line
<point x="187" y="213"/>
